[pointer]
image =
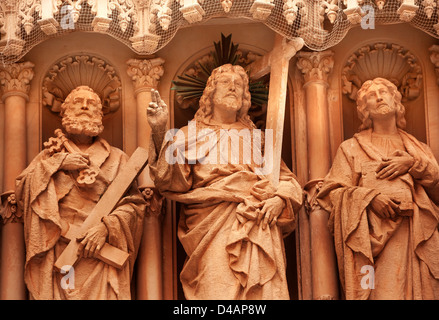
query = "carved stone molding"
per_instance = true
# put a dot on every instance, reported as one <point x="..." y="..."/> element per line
<point x="145" y="73"/>
<point x="192" y="10"/>
<point x="154" y="202"/>
<point x="125" y="9"/>
<point x="9" y="212"/>
<point x="15" y="79"/>
<point x="161" y="9"/>
<point x="315" y="66"/>
<point x="434" y="57"/>
<point x="261" y="9"/>
<point x="407" y="10"/>
<point x="386" y="60"/>
<point x="73" y="71"/>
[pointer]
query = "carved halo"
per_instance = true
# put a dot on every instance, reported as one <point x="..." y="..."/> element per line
<point x="73" y="71"/>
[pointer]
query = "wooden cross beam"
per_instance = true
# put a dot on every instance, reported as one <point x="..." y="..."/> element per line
<point x="276" y="62"/>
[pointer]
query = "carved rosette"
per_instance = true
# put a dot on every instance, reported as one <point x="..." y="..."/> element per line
<point x="154" y="203"/>
<point x="15" y="79"/>
<point x="315" y="66"/>
<point x="385" y="60"/>
<point x="145" y="73"/>
<point x="9" y="212"/>
<point x="73" y="71"/>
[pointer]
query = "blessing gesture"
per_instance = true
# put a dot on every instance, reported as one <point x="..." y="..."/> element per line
<point x="157" y="113"/>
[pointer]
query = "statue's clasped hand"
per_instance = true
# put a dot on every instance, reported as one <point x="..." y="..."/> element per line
<point x="398" y="164"/>
<point x="75" y="161"/>
<point x="93" y="241"/>
<point x="385" y="207"/>
<point x="269" y="211"/>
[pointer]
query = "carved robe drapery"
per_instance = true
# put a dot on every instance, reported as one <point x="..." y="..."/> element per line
<point x="51" y="198"/>
<point x="404" y="252"/>
<point x="230" y="256"/>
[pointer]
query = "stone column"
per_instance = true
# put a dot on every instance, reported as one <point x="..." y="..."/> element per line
<point x="14" y="83"/>
<point x="315" y="67"/>
<point x="149" y="259"/>
<point x="146" y="75"/>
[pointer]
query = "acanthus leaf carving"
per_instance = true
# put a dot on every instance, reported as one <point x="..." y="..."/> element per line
<point x="15" y="78"/>
<point x="315" y="66"/>
<point x="145" y="73"/>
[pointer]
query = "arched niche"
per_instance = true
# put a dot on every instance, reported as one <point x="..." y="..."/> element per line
<point x="74" y="70"/>
<point x="393" y="62"/>
<point x="183" y="111"/>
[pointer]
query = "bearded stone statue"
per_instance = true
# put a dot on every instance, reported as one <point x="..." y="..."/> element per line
<point x="57" y="193"/>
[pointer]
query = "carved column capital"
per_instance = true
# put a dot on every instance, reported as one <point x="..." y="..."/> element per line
<point x="9" y="212"/>
<point x="315" y="66"/>
<point x="15" y="79"/>
<point x="154" y="202"/>
<point x="145" y="73"/>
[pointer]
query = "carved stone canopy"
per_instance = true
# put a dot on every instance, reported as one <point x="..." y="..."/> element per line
<point x="385" y="60"/>
<point x="73" y="71"/>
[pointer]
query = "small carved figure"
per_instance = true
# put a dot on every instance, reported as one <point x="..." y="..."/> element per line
<point x="233" y="218"/>
<point x="56" y="196"/>
<point x="382" y="192"/>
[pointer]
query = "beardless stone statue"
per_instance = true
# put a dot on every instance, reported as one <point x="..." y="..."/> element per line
<point x="382" y="192"/>
<point x="233" y="219"/>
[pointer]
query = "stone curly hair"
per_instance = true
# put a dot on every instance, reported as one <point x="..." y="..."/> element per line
<point x="363" y="113"/>
<point x="70" y="96"/>
<point x="206" y="104"/>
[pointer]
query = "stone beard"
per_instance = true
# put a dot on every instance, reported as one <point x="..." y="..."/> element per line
<point x="75" y="123"/>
